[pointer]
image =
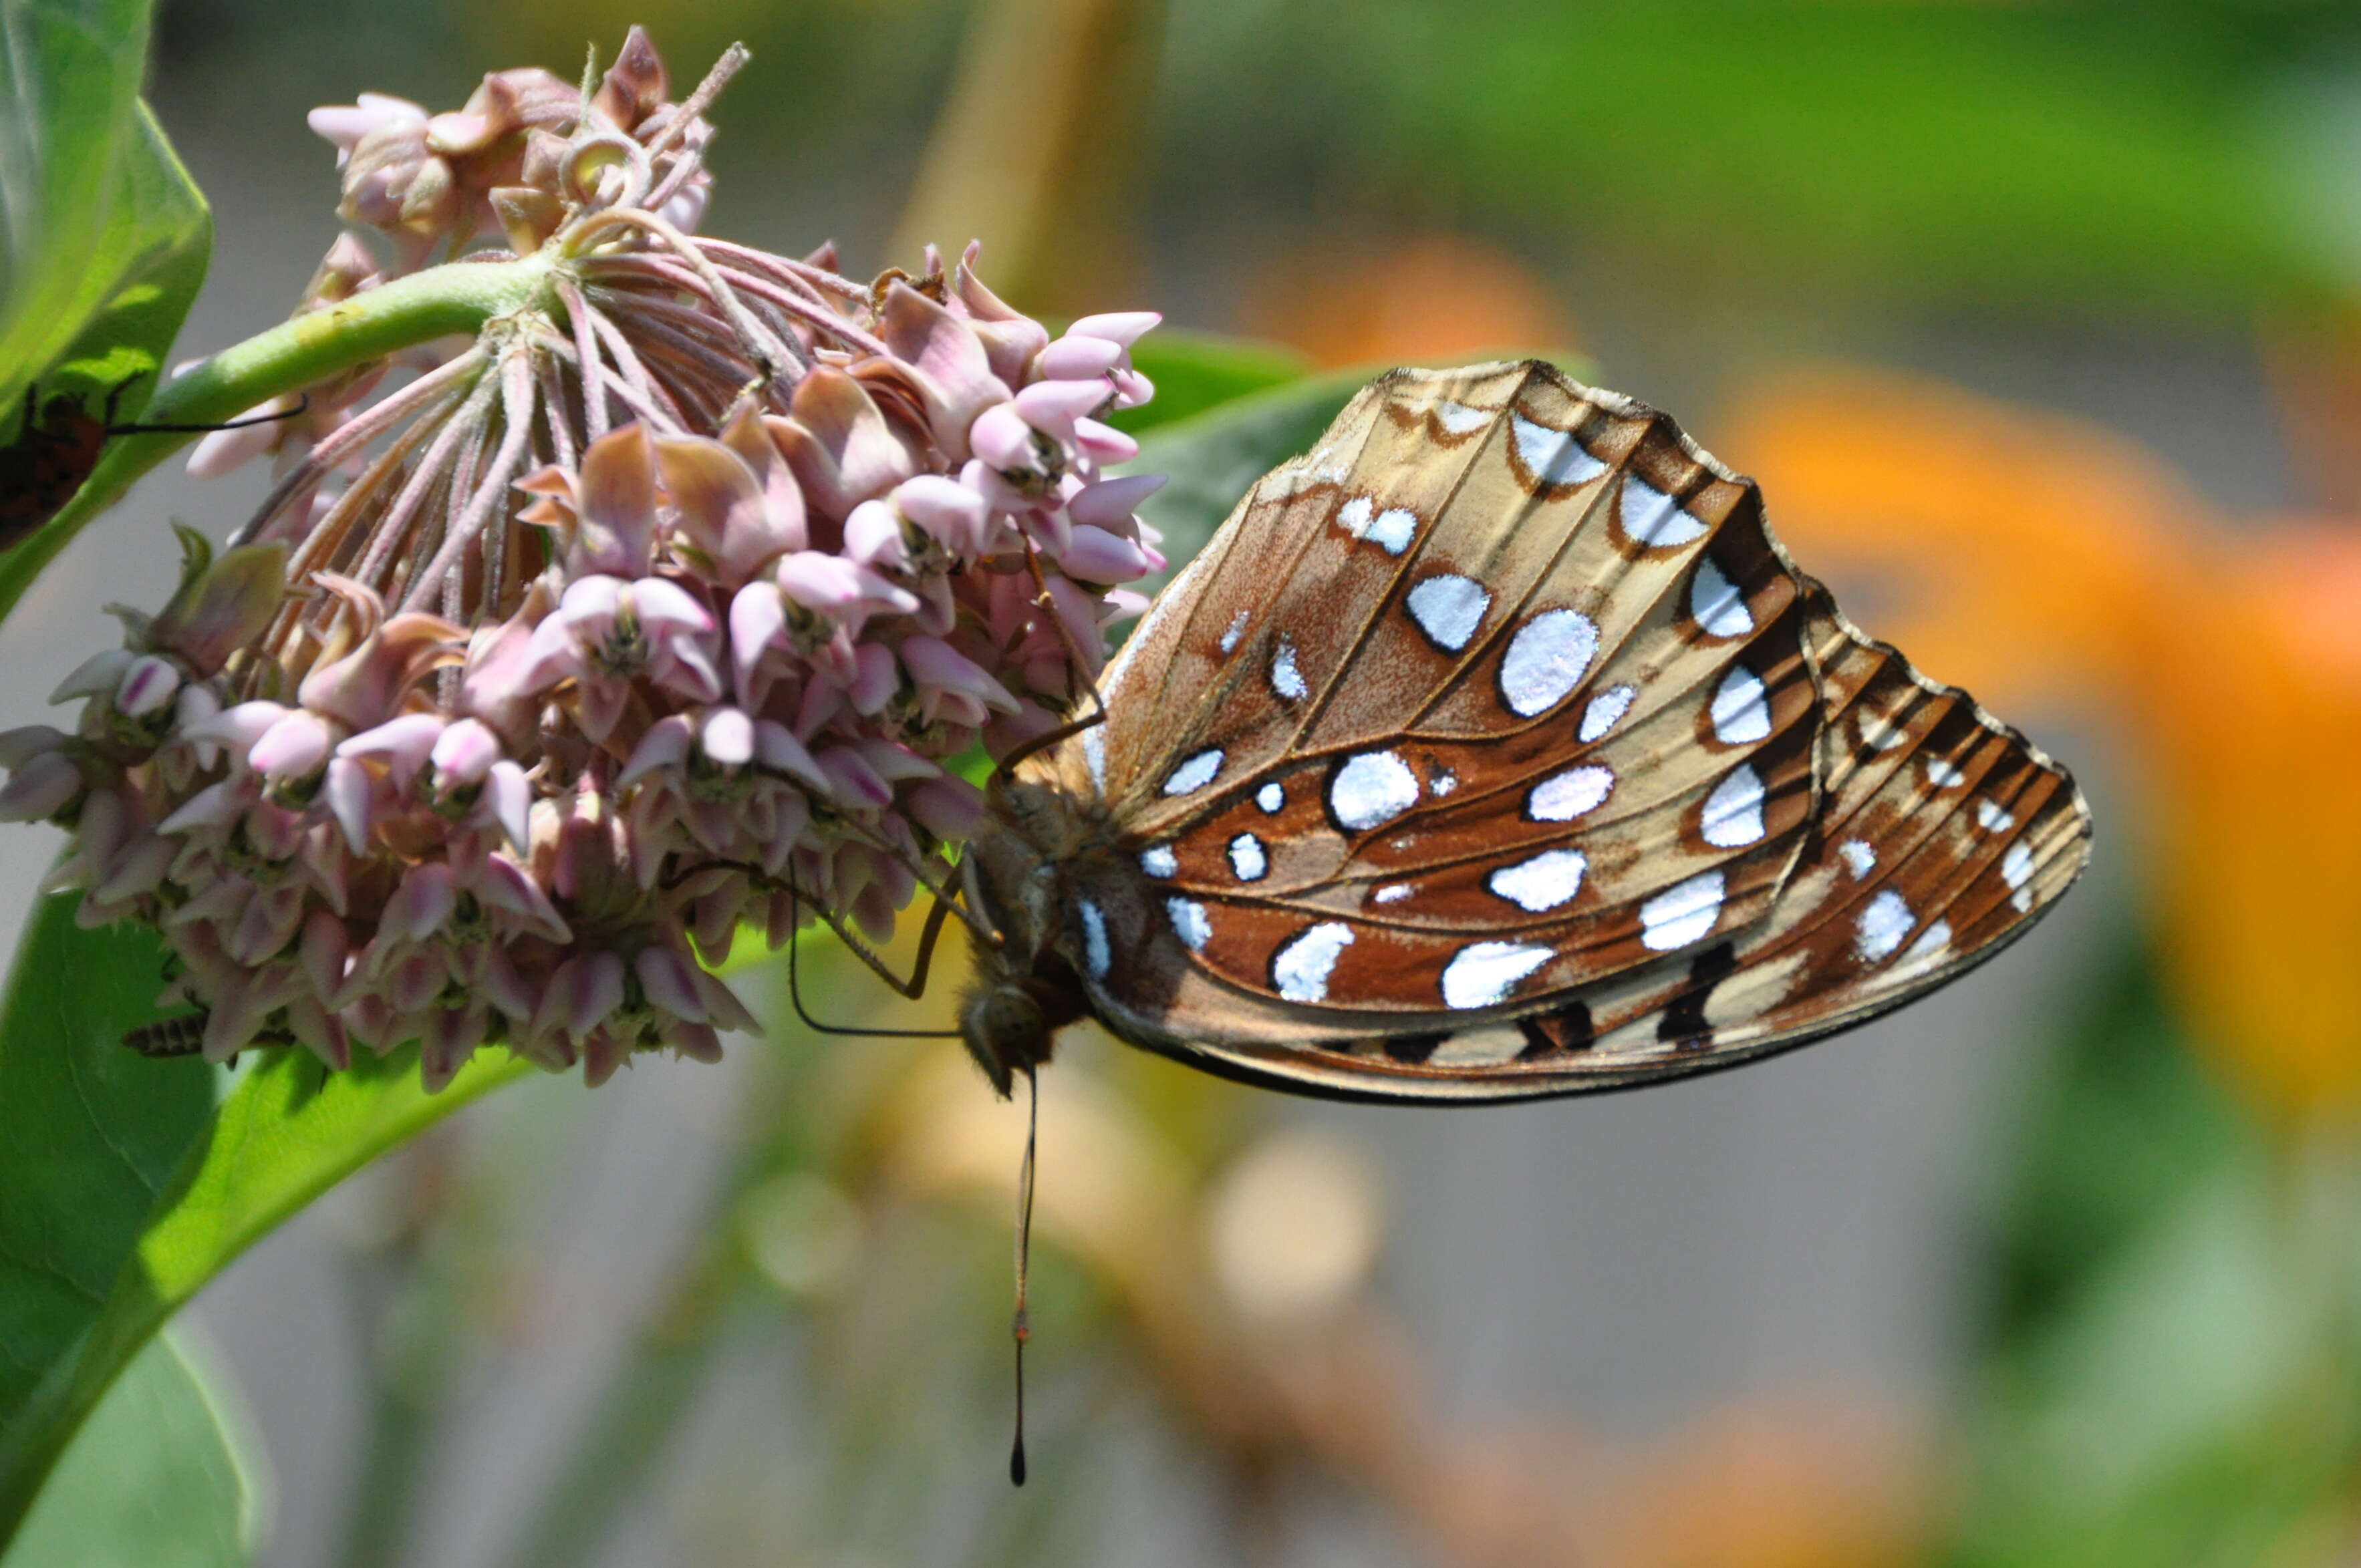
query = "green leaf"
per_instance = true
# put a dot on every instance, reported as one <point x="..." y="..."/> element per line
<point x="106" y="236"/>
<point x="89" y="1132"/>
<point x="124" y="1188"/>
<point x="1194" y="371"/>
<point x="1211" y="460"/>
<point x="165" y="1476"/>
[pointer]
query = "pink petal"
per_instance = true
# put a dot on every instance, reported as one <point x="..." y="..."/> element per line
<point x="1094" y="555"/>
<point x="147" y="684"/>
<point x="727" y="737"/>
<point x="1124" y="327"/>
<point x="665" y="607"/>
<point x="872" y="536"/>
<point x="21" y="745"/>
<point x="1110" y="502"/>
<point x="665" y="745"/>
<point x="1002" y="438"/>
<point x="421" y="906"/>
<point x="756" y="616"/>
<point x="294" y="748"/>
<point x="237" y="727"/>
<point x="348" y="791"/>
<point x="777" y="749"/>
<point x="40" y="788"/>
<point x="1104" y="443"/>
<point x="670" y="981"/>
<point x="509" y="795"/>
<point x="101" y="672"/>
<point x="465" y="752"/>
<point x="1053" y="407"/>
<point x="948" y="807"/>
<point x="874" y="679"/>
<point x="1075" y="358"/>
<point x="405" y="742"/>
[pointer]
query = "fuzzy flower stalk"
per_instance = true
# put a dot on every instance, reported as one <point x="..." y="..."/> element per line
<point x="554" y="658"/>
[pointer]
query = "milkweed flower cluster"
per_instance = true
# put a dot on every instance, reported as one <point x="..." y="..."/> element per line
<point x="655" y="611"/>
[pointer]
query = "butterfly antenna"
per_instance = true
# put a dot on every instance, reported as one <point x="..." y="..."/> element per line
<point x="795" y="981"/>
<point x="302" y="405"/>
<point x="1020" y="1326"/>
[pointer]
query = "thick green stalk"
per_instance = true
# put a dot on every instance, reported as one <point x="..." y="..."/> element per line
<point x="442" y="301"/>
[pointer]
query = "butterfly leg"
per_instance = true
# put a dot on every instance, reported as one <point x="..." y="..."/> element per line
<point x="912" y="988"/>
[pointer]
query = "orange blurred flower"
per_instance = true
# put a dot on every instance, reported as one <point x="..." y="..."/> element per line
<point x="2039" y="561"/>
<point x="1419" y="299"/>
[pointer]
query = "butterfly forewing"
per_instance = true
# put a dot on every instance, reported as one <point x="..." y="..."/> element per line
<point x="1499" y="692"/>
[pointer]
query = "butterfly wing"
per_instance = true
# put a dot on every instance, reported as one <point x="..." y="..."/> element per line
<point x="1377" y="839"/>
<point x="1500" y="692"/>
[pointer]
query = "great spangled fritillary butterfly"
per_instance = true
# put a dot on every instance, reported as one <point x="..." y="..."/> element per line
<point x="1496" y="749"/>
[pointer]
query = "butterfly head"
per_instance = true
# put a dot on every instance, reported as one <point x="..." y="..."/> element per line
<point x="1024" y="990"/>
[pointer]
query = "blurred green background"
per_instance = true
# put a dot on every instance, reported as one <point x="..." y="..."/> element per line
<point x="2042" y="326"/>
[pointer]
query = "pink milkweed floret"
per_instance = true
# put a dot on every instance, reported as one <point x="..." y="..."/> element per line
<point x="545" y="673"/>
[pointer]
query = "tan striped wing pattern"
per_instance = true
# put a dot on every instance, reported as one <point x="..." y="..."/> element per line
<point x="1495" y="748"/>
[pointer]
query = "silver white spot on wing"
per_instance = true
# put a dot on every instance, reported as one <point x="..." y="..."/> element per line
<point x="1246" y="857"/>
<point x="1284" y="678"/>
<point x="1930" y="943"/>
<point x="1459" y="419"/>
<point x="1159" y="860"/>
<point x="1883" y="924"/>
<point x="1552" y="457"/>
<point x="1859" y="858"/>
<point x="1271" y="797"/>
<point x="1448" y="608"/>
<point x="1654" y="519"/>
<point x="1546" y="660"/>
<point x="1195" y="773"/>
<point x="1372" y="789"/>
<point x="1741" y="708"/>
<point x="2016" y="870"/>
<point x="1096" y="955"/>
<point x="1605" y="711"/>
<point x="1189" y="923"/>
<point x="1992" y="818"/>
<point x="1300" y="969"/>
<point x="1716" y="604"/>
<point x="1394" y="529"/>
<point x="1393" y="892"/>
<point x="1237" y="630"/>
<point x="1563" y="797"/>
<point x="1682" y="913"/>
<point x="1733" y="817"/>
<point x="1943" y="774"/>
<point x="1391" y="530"/>
<point x="1480" y="974"/>
<point x="1444" y="782"/>
<point x="1548" y="880"/>
<point x="1878" y="733"/>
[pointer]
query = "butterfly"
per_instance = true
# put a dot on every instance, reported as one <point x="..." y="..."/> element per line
<point x="57" y="444"/>
<point x="1497" y="750"/>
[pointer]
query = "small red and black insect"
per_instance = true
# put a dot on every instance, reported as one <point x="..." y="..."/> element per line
<point x="58" y="443"/>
